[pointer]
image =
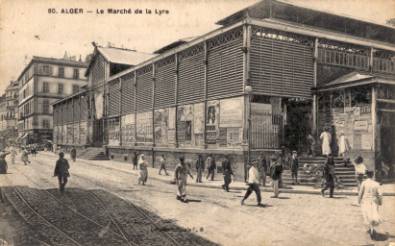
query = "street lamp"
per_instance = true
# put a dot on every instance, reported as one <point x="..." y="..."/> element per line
<point x="248" y="91"/>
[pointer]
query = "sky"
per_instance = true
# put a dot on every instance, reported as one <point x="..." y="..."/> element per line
<point x="28" y="29"/>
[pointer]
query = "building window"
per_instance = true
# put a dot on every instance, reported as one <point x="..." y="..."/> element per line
<point x="76" y="73"/>
<point x="61" y="72"/>
<point x="45" y="106"/>
<point x="24" y="93"/>
<point x="46" y="69"/>
<point x="60" y="88"/>
<point x="46" y="123"/>
<point x="45" y="87"/>
<point x="76" y="88"/>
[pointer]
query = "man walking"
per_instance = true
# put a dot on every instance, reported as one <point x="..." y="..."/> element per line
<point x="253" y="183"/>
<point x="181" y="173"/>
<point x="62" y="171"/>
<point x="263" y="170"/>
<point x="199" y="168"/>
<point x="294" y="167"/>
<point x="135" y="161"/>
<point x="162" y="162"/>
<point x="73" y="154"/>
<point x="275" y="173"/>
<point x="211" y="167"/>
<point x="329" y="177"/>
<point x="227" y="171"/>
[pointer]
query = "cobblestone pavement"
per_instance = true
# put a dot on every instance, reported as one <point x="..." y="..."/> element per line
<point x="295" y="219"/>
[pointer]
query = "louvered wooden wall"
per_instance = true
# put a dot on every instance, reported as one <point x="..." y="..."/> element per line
<point x="144" y="88"/>
<point x="191" y="74"/>
<point x="280" y="66"/>
<point x="113" y="98"/>
<point x="225" y="64"/>
<point x="165" y="82"/>
<point x="128" y="90"/>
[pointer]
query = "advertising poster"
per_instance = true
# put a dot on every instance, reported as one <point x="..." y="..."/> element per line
<point x="198" y="113"/>
<point x="212" y="122"/>
<point x="161" y="119"/>
<point x="231" y="112"/>
<point x="128" y="126"/>
<point x="144" y="127"/>
<point x="184" y="123"/>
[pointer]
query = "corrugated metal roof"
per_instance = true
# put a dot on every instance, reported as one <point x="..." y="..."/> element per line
<point x="123" y="56"/>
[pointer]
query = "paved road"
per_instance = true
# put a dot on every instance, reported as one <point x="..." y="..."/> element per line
<point x="296" y="219"/>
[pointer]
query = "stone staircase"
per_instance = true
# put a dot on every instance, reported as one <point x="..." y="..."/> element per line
<point x="92" y="153"/>
<point x="310" y="172"/>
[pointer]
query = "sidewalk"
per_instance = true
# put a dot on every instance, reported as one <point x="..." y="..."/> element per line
<point x="387" y="189"/>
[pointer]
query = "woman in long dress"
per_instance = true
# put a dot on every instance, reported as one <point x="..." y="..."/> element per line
<point x="344" y="148"/>
<point x="370" y="198"/>
<point x="143" y="170"/>
<point x="326" y="140"/>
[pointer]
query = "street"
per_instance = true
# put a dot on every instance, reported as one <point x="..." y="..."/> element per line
<point x="105" y="206"/>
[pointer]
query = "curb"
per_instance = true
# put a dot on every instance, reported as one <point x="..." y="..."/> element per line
<point x="265" y="189"/>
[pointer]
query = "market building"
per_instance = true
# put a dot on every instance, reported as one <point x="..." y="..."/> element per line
<point x="42" y="82"/>
<point x="269" y="76"/>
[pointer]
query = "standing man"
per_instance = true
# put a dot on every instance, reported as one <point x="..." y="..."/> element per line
<point x="62" y="171"/>
<point x="73" y="154"/>
<point x="199" y="168"/>
<point x="227" y="171"/>
<point x="326" y="140"/>
<point x="181" y="173"/>
<point x="135" y="161"/>
<point x="294" y="167"/>
<point x="3" y="163"/>
<point x="275" y="173"/>
<point x="143" y="170"/>
<point x="329" y="178"/>
<point x="263" y="170"/>
<point x="253" y="183"/>
<point x="211" y="167"/>
<point x="162" y="162"/>
<point x="25" y="156"/>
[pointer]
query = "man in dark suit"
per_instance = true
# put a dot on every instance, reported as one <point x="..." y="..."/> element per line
<point x="227" y="171"/>
<point x="294" y="167"/>
<point x="62" y="171"/>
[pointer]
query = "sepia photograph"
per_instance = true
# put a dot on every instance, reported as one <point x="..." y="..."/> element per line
<point x="197" y="122"/>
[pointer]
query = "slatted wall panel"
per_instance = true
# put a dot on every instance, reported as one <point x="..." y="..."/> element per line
<point x="113" y="98"/>
<point x="84" y="109"/>
<point x="191" y="74"/>
<point x="55" y="115"/>
<point x="165" y="82"/>
<point x="280" y="65"/>
<point x="69" y="112"/>
<point x="76" y="109"/>
<point x="225" y="64"/>
<point x="128" y="93"/>
<point x="144" y="88"/>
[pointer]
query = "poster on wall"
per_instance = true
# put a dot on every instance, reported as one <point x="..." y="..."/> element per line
<point x="231" y="112"/>
<point x="161" y="119"/>
<point x="233" y="137"/>
<point x="198" y="113"/>
<point x="128" y="127"/>
<point x="144" y="127"/>
<point x="184" y="123"/>
<point x="212" y="118"/>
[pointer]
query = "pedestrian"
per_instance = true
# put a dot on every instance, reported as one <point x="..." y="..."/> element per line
<point x="360" y="170"/>
<point x="294" y="167"/>
<point x="3" y="162"/>
<point x="13" y="155"/>
<point x="143" y="170"/>
<point x="275" y="173"/>
<point x="181" y="174"/>
<point x="329" y="177"/>
<point x="311" y="144"/>
<point x="162" y="162"/>
<point x="263" y="170"/>
<point x="253" y="183"/>
<point x="25" y="156"/>
<point x="135" y="161"/>
<point x="33" y="151"/>
<point x="73" y="154"/>
<point x="62" y="171"/>
<point x="326" y="140"/>
<point x="344" y="149"/>
<point x="211" y="167"/>
<point x="227" y="172"/>
<point x="370" y="198"/>
<point x="199" y="168"/>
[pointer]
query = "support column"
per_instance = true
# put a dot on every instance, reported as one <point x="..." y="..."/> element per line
<point x="205" y="94"/>
<point x="72" y="119"/>
<point x="374" y="117"/>
<point x="176" y="96"/>
<point x="153" y="113"/>
<point x="371" y="56"/>
<point x="315" y="97"/>
<point x="120" y="111"/>
<point x="79" y="122"/>
<point x="135" y="107"/>
<point x="247" y="90"/>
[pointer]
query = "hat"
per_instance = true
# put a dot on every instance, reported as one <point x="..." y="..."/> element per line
<point x="358" y="160"/>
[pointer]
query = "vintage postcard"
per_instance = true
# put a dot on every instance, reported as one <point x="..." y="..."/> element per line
<point x="199" y="122"/>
